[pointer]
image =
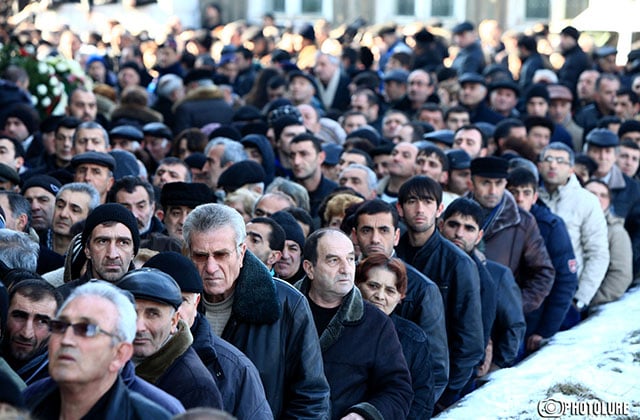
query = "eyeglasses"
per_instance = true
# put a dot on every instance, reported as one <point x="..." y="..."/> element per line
<point x="558" y="160"/>
<point x="81" y="329"/>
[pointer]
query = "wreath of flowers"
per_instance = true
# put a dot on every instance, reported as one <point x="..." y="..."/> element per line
<point x="51" y="80"/>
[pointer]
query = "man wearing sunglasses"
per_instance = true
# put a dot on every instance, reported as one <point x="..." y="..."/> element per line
<point x="91" y="340"/>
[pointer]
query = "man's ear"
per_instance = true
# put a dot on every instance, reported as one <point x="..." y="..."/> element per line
<point x="124" y="352"/>
<point x="308" y="268"/>
<point x="160" y="214"/>
<point x="22" y="221"/>
<point x="274" y="257"/>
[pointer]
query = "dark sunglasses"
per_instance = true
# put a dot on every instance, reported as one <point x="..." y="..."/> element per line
<point x="81" y="329"/>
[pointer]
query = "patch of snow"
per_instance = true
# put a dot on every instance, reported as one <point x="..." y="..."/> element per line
<point x="601" y="356"/>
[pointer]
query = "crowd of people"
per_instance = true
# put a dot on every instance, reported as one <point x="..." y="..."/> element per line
<point x="306" y="226"/>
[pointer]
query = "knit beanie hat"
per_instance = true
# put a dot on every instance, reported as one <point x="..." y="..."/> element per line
<point x="112" y="212"/>
<point x="180" y="268"/>
<point x="45" y="182"/>
<point x="292" y="230"/>
<point x="538" y="91"/>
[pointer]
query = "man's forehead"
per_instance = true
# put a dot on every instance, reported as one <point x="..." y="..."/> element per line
<point x="382" y="218"/>
<point x="465" y="219"/>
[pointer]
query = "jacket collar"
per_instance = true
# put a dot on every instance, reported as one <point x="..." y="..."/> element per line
<point x="507" y="215"/>
<point x="351" y="312"/>
<point x="154" y="366"/>
<point x="255" y="298"/>
<point x="616" y="178"/>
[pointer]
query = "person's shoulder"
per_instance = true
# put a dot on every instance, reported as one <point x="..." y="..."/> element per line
<point x="145" y="408"/>
<point x="228" y="351"/>
<point x="408" y="329"/>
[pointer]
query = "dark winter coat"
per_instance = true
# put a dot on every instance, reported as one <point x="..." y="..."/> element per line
<point x="488" y="295"/>
<point x="575" y="62"/>
<point x="363" y="361"/>
<point x="237" y="378"/>
<point x="201" y="106"/>
<point x="512" y="238"/>
<point x="415" y="347"/>
<point x="509" y="326"/>
<point x="117" y="403"/>
<point x="423" y="306"/>
<point x="469" y="60"/>
<point x="177" y="369"/>
<point x="546" y="320"/>
<point x="457" y="278"/>
<point x="271" y="323"/>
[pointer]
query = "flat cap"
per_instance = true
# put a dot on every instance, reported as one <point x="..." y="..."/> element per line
<point x="602" y="137"/>
<point x="128" y="132"/>
<point x="152" y="284"/>
<point x="241" y="173"/>
<point x="396" y="75"/>
<point x="157" y="129"/>
<point x="440" y="136"/>
<point x="505" y="84"/>
<point x="180" y="268"/>
<point x="605" y="51"/>
<point x="490" y="167"/>
<point x="559" y="92"/>
<point x="471" y="78"/>
<point x="332" y="153"/>
<point x="7" y="173"/>
<point x="185" y="194"/>
<point x="367" y="134"/>
<point x="458" y="159"/>
<point x="305" y="75"/>
<point x="463" y="27"/>
<point x="97" y="158"/>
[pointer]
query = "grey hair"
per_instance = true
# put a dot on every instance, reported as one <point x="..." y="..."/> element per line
<point x="167" y="84"/>
<point x="213" y="216"/>
<point x="91" y="125"/>
<point x="372" y="179"/>
<point x="18" y="250"/>
<point x="19" y="206"/>
<point x="332" y="58"/>
<point x="82" y="187"/>
<point x="556" y="145"/>
<point x="126" y="323"/>
<point x="294" y="190"/>
<point x="233" y="150"/>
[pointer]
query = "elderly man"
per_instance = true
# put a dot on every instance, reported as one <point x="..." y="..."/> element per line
<point x="162" y="348"/>
<point x="359" y="178"/>
<point x="221" y="153"/>
<point x="95" y="168"/>
<point x="333" y="84"/>
<point x="85" y="361"/>
<point x="373" y="381"/>
<point x="264" y="317"/>
<point x="32" y="304"/>
<point x="90" y="137"/>
<point x="237" y="378"/>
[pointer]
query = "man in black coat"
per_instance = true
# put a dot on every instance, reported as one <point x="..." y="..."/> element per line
<point x="575" y="59"/>
<point x="376" y="229"/>
<point x="265" y="318"/>
<point x="360" y="347"/>
<point x="419" y="204"/>
<point x="162" y="347"/>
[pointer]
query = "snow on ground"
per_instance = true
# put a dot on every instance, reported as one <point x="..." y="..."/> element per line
<point x="598" y="359"/>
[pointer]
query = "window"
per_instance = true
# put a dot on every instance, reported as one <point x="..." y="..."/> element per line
<point x="277" y="5"/>
<point x="537" y="9"/>
<point x="441" y="7"/>
<point x="406" y="8"/>
<point x="574" y="7"/>
<point x="311" y="6"/>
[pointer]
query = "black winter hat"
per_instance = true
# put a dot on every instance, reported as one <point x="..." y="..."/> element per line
<point x="45" y="182"/>
<point x="490" y="167"/>
<point x="180" y="268"/>
<point x="538" y="91"/>
<point x="112" y="212"/>
<point x="241" y="173"/>
<point x="152" y="284"/>
<point x="293" y="231"/>
<point x="126" y="164"/>
<point x="185" y="194"/>
<point x="27" y="115"/>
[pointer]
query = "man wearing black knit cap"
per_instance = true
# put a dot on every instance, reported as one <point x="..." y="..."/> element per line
<point x="237" y="378"/>
<point x="22" y="122"/>
<point x="289" y="267"/>
<point x="40" y="191"/>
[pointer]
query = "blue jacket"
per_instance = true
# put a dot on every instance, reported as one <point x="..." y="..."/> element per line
<point x="363" y="361"/>
<point x="509" y="325"/>
<point x="469" y="59"/>
<point x="488" y="295"/>
<point x="546" y="320"/>
<point x="423" y="306"/>
<point x="457" y="277"/>
<point x="236" y="377"/>
<point x="117" y="403"/>
<point x="415" y="347"/>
